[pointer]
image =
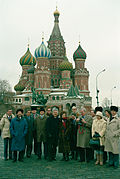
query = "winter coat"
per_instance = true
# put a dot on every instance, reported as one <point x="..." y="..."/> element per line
<point x="99" y="126"/>
<point x="64" y="135"/>
<point x="40" y="127"/>
<point x="18" y="129"/>
<point x="84" y="132"/>
<point x="52" y="129"/>
<point x="5" y="126"/>
<point x="29" y="135"/>
<point x="112" y="135"/>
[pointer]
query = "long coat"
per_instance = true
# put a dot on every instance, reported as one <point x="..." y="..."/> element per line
<point x="112" y="136"/>
<point x="52" y="129"/>
<point x="99" y="126"/>
<point x="5" y="126"/>
<point x="40" y="127"/>
<point x="64" y="135"/>
<point x="18" y="129"/>
<point x="29" y="135"/>
<point x="84" y="132"/>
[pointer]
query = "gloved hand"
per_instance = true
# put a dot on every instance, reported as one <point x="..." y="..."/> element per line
<point x="96" y="135"/>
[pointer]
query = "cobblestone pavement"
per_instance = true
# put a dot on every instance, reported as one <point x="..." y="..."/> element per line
<point x="32" y="168"/>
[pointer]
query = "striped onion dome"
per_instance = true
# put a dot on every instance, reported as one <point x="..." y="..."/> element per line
<point x="79" y="53"/>
<point x="66" y="65"/>
<point x="42" y="51"/>
<point x="27" y="59"/>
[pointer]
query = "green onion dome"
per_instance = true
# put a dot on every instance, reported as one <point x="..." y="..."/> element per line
<point x="79" y="53"/>
<point x="66" y="65"/>
<point x="19" y="87"/>
<point x="27" y="58"/>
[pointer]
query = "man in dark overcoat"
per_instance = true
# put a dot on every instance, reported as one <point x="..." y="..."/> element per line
<point x="40" y="127"/>
<point x="29" y="136"/>
<point x="52" y="131"/>
<point x="34" y="115"/>
<point x="18" y="129"/>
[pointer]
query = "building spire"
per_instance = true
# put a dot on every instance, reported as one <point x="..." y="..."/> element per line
<point x="28" y="42"/>
<point x="79" y="39"/>
<point x="42" y="36"/>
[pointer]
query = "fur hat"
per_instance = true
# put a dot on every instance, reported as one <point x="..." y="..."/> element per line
<point x="98" y="108"/>
<point x="98" y="113"/>
<point x="114" y="108"/>
<point x="33" y="108"/>
<point x="42" y="109"/>
<point x="19" y="110"/>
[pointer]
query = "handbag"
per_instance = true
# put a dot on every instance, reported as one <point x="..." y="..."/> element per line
<point x="94" y="143"/>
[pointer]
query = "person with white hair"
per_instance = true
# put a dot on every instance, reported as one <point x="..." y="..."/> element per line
<point x="52" y="133"/>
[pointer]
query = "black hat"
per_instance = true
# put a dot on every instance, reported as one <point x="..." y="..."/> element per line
<point x="42" y="109"/>
<point x="33" y="108"/>
<point x="99" y="108"/>
<point x="19" y="110"/>
<point x="114" y="108"/>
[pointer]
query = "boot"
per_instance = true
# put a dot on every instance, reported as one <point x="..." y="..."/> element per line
<point x="63" y="159"/>
<point x="101" y="159"/>
<point x="76" y="155"/>
<point x="72" y="156"/>
<point x="67" y="157"/>
<point x="98" y="159"/>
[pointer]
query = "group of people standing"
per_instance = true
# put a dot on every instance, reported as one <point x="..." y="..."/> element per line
<point x="70" y="133"/>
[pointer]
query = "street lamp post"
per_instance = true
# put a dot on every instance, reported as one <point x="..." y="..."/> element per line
<point x="111" y="94"/>
<point x="97" y="90"/>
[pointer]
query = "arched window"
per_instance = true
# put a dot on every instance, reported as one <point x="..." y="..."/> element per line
<point x="55" y="81"/>
<point x="53" y="98"/>
<point x="62" y="97"/>
<point x="57" y="97"/>
<point x="52" y="82"/>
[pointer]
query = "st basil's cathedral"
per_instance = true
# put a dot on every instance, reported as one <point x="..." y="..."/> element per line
<point x="50" y="72"/>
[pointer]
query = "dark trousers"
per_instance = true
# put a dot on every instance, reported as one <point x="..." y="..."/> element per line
<point x="39" y="152"/>
<point x="20" y="155"/>
<point x="84" y="154"/>
<point x="114" y="159"/>
<point x="35" y="143"/>
<point x="28" y="149"/>
<point x="104" y="156"/>
<point x="51" y="151"/>
<point x="7" y="141"/>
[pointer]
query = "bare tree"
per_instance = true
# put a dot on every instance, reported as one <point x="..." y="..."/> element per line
<point x="106" y="103"/>
<point x="5" y="90"/>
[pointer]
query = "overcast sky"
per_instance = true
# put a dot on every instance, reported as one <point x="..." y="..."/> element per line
<point x="95" y="22"/>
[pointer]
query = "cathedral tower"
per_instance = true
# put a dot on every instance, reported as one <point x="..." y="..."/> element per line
<point x="81" y="74"/>
<point x="42" y="72"/>
<point x="57" y="46"/>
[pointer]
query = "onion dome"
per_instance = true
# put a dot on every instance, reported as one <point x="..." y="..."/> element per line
<point x="27" y="58"/>
<point x="19" y="87"/>
<point x="66" y="65"/>
<point x="79" y="53"/>
<point x="56" y="12"/>
<point x="42" y="51"/>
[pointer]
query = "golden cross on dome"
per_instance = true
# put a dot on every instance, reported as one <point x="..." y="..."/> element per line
<point x="79" y="39"/>
<point x="28" y="42"/>
<point x="42" y="36"/>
